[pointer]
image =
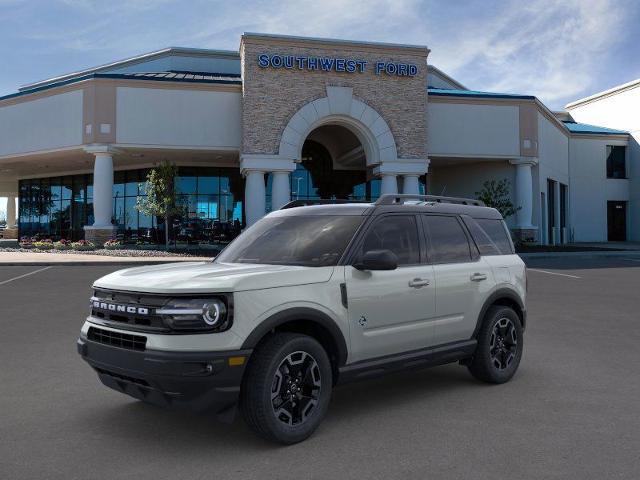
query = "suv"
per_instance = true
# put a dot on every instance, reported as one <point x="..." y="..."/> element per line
<point x="310" y="297"/>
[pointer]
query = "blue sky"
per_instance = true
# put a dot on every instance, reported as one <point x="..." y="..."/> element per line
<point x="557" y="50"/>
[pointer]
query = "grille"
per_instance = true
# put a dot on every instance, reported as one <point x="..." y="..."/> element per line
<point x="136" y="321"/>
<point x="117" y="339"/>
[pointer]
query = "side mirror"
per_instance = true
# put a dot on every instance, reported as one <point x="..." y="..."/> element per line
<point x="377" y="260"/>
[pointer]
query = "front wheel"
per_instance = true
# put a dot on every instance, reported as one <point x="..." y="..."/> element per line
<point x="287" y="388"/>
<point x="499" y="349"/>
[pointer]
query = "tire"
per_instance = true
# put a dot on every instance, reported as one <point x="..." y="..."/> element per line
<point x="500" y="344"/>
<point x="296" y="368"/>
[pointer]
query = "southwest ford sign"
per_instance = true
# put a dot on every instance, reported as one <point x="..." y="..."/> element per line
<point x="334" y="64"/>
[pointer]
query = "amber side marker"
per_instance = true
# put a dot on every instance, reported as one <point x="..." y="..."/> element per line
<point x="236" y="361"/>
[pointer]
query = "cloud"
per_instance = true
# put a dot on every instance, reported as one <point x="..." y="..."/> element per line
<point x="557" y="50"/>
<point x="548" y="48"/>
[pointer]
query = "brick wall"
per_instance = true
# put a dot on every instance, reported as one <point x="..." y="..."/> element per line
<point x="271" y="96"/>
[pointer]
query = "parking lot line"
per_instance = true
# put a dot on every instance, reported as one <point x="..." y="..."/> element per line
<point x="632" y="259"/>
<point x="25" y="275"/>
<point x="554" y="273"/>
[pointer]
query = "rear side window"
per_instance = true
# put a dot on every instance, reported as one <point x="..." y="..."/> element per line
<point x="447" y="239"/>
<point x="398" y="233"/>
<point x="497" y="232"/>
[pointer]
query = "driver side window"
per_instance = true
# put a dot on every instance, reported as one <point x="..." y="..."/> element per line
<point x="398" y="233"/>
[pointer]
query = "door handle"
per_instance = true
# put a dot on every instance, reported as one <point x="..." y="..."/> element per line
<point x="478" y="277"/>
<point x="418" y="282"/>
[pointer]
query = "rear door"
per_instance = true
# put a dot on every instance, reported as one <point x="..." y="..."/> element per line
<point x="463" y="278"/>
<point x="391" y="311"/>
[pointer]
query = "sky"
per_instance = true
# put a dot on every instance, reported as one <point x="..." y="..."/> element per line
<point x="557" y="50"/>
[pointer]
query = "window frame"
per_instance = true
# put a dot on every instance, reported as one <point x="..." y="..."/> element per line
<point x="505" y="229"/>
<point x="606" y="163"/>
<point x="351" y="256"/>
<point x="474" y="253"/>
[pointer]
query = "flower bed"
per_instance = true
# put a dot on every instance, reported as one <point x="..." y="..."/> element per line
<point x="83" y="245"/>
<point x="113" y="245"/>
<point x="62" y="245"/>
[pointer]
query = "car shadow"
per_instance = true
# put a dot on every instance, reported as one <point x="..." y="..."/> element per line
<point x="152" y="426"/>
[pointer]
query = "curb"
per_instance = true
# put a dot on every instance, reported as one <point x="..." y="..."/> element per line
<point x="592" y="254"/>
<point x="89" y="263"/>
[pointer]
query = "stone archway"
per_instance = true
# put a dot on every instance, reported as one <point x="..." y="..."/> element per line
<point x="339" y="107"/>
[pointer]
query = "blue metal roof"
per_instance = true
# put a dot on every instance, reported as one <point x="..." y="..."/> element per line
<point x="188" y="77"/>
<point x="444" y="92"/>
<point x="575" y="127"/>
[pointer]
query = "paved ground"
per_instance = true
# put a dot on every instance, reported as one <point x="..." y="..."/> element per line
<point x="34" y="258"/>
<point x="572" y="411"/>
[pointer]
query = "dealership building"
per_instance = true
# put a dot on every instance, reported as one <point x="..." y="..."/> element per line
<point x="304" y="118"/>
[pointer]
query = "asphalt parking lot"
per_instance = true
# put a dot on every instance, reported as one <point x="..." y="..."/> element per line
<point x="572" y="411"/>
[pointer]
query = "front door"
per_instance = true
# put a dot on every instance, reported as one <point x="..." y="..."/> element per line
<point x="617" y="221"/>
<point x="391" y="311"/>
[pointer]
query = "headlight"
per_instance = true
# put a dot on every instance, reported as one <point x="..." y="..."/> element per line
<point x="197" y="314"/>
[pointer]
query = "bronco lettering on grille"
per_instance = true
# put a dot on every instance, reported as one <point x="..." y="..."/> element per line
<point x="113" y="307"/>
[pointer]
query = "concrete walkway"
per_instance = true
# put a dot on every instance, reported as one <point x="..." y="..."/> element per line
<point x="33" y="258"/>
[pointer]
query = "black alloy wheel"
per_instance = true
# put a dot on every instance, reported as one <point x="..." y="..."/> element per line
<point x="503" y="344"/>
<point x="287" y="387"/>
<point x="296" y="387"/>
<point x="500" y="346"/>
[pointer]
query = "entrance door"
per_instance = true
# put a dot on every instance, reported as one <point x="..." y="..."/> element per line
<point x="551" y="211"/>
<point x="617" y="221"/>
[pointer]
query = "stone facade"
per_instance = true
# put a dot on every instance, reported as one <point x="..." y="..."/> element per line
<point x="99" y="236"/>
<point x="272" y="96"/>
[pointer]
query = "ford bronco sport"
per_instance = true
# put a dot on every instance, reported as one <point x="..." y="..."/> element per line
<point x="310" y="297"/>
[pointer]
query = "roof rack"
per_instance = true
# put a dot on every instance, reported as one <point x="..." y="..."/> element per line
<point x="321" y="201"/>
<point x="393" y="199"/>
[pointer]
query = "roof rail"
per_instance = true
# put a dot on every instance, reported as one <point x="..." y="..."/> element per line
<point x="321" y="201"/>
<point x="393" y="199"/>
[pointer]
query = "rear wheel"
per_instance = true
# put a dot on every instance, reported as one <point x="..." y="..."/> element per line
<point x="499" y="349"/>
<point x="287" y="388"/>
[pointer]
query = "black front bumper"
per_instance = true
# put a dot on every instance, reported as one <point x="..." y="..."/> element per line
<point x="197" y="381"/>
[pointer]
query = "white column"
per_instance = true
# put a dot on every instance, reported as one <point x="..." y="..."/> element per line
<point x="254" y="196"/>
<point x="11" y="211"/>
<point x="103" y="189"/>
<point x="280" y="191"/>
<point x="389" y="184"/>
<point x="524" y="193"/>
<point x="411" y="185"/>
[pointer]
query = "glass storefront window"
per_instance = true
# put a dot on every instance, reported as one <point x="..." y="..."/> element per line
<point x="60" y="207"/>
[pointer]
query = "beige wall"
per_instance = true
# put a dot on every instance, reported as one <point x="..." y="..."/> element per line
<point x="45" y="123"/>
<point x="172" y="117"/>
<point x="272" y="96"/>
<point x="473" y="129"/>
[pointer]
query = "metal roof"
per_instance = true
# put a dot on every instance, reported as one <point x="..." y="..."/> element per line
<point x="444" y="92"/>
<point x="187" y="77"/>
<point x="585" y="128"/>
<point x="132" y="61"/>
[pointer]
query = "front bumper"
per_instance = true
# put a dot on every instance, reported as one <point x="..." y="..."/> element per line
<point x="196" y="381"/>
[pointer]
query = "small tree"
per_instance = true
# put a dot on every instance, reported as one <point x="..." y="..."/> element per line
<point x="161" y="199"/>
<point x="496" y="194"/>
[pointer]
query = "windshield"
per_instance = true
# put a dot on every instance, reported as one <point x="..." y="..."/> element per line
<point x="311" y="241"/>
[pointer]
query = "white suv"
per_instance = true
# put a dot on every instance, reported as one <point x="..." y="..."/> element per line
<point x="309" y="297"/>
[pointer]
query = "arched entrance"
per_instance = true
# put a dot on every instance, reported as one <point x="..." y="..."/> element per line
<point x="333" y="147"/>
<point x="333" y="165"/>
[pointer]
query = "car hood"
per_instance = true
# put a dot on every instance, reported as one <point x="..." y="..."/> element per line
<point x="201" y="277"/>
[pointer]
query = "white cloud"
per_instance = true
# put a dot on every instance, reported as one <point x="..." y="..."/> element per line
<point x="548" y="48"/>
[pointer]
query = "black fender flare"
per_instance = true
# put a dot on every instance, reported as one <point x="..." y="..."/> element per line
<point x="502" y="293"/>
<point x="304" y="314"/>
